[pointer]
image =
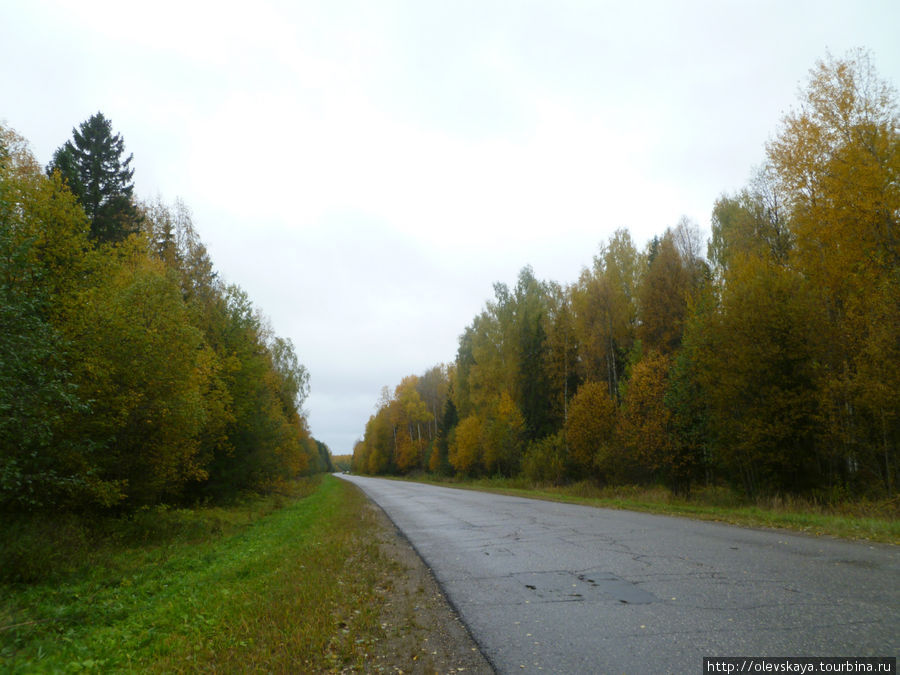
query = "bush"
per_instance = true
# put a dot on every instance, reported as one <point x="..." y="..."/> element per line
<point x="546" y="460"/>
<point x="35" y="548"/>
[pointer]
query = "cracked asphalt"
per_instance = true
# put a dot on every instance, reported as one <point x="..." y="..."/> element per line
<point x="549" y="587"/>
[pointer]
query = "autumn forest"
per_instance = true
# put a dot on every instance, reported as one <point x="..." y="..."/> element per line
<point x="130" y="374"/>
<point x="766" y="359"/>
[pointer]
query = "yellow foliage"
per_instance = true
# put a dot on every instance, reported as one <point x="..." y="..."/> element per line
<point x="503" y="437"/>
<point x="591" y="427"/>
<point x="465" y="446"/>
<point x="646" y="421"/>
<point x="838" y="162"/>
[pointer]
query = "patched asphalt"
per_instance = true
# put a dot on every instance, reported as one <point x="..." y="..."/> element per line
<point x="550" y="587"/>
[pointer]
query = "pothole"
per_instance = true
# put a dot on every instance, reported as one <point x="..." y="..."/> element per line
<point x="598" y="586"/>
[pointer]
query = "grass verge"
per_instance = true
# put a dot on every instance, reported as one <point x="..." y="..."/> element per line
<point x="872" y="521"/>
<point x="283" y="584"/>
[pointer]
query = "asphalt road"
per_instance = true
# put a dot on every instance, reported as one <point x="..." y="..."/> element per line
<point x="561" y="588"/>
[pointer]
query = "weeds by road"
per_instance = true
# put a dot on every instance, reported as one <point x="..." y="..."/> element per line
<point x="875" y="521"/>
<point x="306" y="583"/>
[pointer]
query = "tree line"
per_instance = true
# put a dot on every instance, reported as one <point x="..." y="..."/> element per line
<point x="771" y="364"/>
<point x="130" y="373"/>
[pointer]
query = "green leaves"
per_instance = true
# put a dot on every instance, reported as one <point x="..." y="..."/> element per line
<point x="139" y="358"/>
<point x="591" y="429"/>
<point x="128" y="375"/>
<point x="837" y="160"/>
<point x="92" y="166"/>
<point x="39" y="241"/>
<point x="773" y="367"/>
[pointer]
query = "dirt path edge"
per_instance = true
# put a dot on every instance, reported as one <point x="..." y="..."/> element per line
<point x="424" y="632"/>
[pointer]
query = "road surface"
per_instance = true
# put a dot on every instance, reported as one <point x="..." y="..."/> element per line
<point x="549" y="587"/>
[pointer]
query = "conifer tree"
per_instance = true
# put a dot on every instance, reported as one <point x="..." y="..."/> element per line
<point x="93" y="166"/>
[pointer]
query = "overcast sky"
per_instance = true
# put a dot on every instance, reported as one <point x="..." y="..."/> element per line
<point x="366" y="170"/>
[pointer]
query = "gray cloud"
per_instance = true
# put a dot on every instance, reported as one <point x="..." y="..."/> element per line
<point x="367" y="170"/>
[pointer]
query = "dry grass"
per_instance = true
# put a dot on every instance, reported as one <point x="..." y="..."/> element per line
<point x="877" y="520"/>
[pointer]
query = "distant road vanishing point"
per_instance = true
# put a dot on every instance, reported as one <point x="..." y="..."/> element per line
<point x="549" y="587"/>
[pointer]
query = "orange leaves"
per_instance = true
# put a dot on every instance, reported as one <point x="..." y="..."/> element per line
<point x="399" y="435"/>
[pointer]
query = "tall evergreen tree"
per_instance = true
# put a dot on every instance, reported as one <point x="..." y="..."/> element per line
<point x="93" y="166"/>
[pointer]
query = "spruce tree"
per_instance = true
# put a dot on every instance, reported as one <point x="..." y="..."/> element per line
<point x="93" y="166"/>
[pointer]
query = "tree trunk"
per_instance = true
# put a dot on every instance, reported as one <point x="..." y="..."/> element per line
<point x="887" y="461"/>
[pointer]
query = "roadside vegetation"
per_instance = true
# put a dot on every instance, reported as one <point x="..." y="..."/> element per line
<point x="162" y="506"/>
<point x="284" y="583"/>
<point x="342" y="462"/>
<point x="131" y="374"/>
<point x="758" y="374"/>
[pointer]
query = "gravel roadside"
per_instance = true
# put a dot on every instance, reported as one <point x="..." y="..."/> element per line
<point x="422" y="632"/>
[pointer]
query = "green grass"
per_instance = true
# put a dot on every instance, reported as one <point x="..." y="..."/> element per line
<point x="869" y="520"/>
<point x="282" y="584"/>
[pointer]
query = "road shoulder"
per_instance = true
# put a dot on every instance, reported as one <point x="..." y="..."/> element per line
<point x="422" y="632"/>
